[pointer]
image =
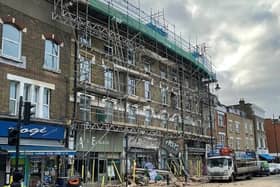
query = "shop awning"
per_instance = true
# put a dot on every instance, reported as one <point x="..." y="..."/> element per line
<point x="267" y="157"/>
<point x="30" y="150"/>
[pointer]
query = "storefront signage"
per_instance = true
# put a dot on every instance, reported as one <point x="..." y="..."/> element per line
<point x="34" y="131"/>
<point x="94" y="141"/>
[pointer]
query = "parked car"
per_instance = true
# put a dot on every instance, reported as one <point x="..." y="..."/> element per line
<point x="263" y="168"/>
<point x="274" y="168"/>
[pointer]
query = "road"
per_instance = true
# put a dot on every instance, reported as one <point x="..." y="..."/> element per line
<point x="271" y="181"/>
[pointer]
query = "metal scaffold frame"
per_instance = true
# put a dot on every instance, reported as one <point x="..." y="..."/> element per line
<point x="79" y="21"/>
<point x="189" y="61"/>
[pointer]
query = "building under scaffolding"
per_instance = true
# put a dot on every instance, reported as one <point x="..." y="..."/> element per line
<point x="140" y="92"/>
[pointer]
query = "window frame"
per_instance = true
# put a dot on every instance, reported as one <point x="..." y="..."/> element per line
<point x="19" y="43"/>
<point x="15" y="100"/>
<point x="85" y="41"/>
<point x="238" y="143"/>
<point x="46" y="105"/>
<point x="85" y="107"/>
<point x="148" y="118"/>
<point x="108" y="81"/>
<point x="131" y="57"/>
<point x="147" y="67"/>
<point x="147" y="86"/>
<point x="53" y="56"/>
<point x="220" y="120"/>
<point x="109" y="111"/>
<point x="177" y="122"/>
<point x="164" y="95"/>
<point x="164" y="120"/>
<point x="132" y="116"/>
<point x="108" y="49"/>
<point x="175" y="100"/>
<point x="237" y="127"/>
<point x="85" y="63"/>
<point x="131" y="86"/>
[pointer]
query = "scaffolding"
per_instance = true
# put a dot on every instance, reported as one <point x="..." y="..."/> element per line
<point x="130" y="33"/>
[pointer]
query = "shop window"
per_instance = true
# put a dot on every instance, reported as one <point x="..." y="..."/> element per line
<point x="13" y="98"/>
<point x="11" y="42"/>
<point x="51" y="55"/>
<point x="132" y="114"/>
<point x="109" y="111"/>
<point x="102" y="166"/>
<point x="148" y="117"/>
<point x="131" y="86"/>
<point x="85" y="69"/>
<point x="147" y="90"/>
<point x="85" y="108"/>
<point x="108" y="79"/>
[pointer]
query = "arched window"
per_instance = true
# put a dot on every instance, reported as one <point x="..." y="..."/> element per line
<point x="51" y="61"/>
<point x="11" y="42"/>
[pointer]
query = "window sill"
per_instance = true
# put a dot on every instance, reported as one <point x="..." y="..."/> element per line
<point x="52" y="70"/>
<point x="21" y="63"/>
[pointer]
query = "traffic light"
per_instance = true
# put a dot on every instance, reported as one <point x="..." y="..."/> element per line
<point x="12" y="137"/>
<point x="27" y="112"/>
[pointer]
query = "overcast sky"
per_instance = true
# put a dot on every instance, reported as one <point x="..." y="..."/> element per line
<point x="243" y="38"/>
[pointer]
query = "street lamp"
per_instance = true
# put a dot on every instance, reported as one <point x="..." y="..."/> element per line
<point x="275" y="138"/>
<point x="217" y="87"/>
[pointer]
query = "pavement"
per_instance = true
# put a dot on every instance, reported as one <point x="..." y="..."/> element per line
<point x="270" y="181"/>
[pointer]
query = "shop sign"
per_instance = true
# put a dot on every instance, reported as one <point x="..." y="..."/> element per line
<point x="94" y="141"/>
<point x="143" y="142"/>
<point x="170" y="146"/>
<point x="34" y="131"/>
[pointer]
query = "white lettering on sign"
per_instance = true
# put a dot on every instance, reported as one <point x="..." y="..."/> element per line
<point x="172" y="144"/>
<point x="93" y="140"/>
<point x="33" y="131"/>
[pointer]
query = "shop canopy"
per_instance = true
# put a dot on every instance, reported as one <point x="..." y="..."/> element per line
<point x="30" y="150"/>
<point x="267" y="157"/>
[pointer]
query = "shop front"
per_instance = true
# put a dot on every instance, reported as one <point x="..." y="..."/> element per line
<point x="143" y="149"/>
<point x="98" y="155"/>
<point x="171" y="155"/>
<point x="197" y="158"/>
<point x="42" y="153"/>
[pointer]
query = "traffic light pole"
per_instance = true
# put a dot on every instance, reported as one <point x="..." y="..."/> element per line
<point x="18" y="131"/>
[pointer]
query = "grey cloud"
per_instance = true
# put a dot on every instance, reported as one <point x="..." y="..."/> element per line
<point x="223" y="24"/>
